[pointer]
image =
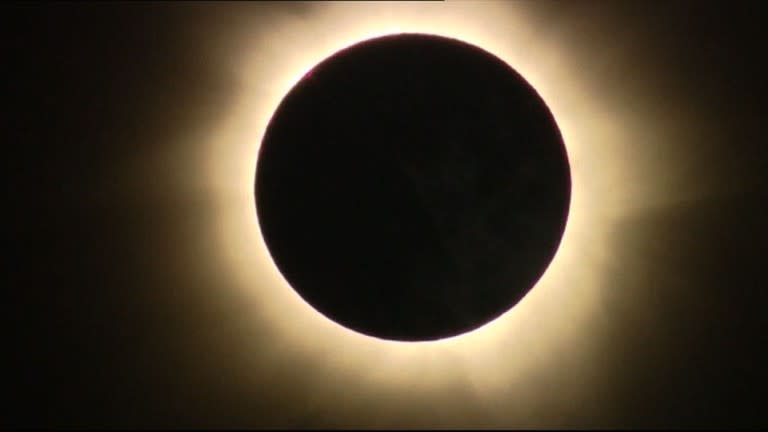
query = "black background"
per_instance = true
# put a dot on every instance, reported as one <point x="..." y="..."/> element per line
<point x="101" y="313"/>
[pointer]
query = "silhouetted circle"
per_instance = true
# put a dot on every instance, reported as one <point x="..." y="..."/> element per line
<point x="412" y="187"/>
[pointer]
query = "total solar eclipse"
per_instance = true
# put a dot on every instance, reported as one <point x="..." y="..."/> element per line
<point x="412" y="187"/>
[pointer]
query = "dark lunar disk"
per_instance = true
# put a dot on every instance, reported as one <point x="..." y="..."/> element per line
<point x="412" y="187"/>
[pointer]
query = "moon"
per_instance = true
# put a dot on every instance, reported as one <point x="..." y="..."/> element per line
<point x="412" y="187"/>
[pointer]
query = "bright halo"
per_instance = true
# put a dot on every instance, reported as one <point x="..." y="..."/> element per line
<point x="553" y="320"/>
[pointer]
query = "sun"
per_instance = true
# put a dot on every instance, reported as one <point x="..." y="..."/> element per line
<point x="557" y="315"/>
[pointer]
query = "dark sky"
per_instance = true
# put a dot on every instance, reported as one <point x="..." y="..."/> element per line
<point x="113" y="325"/>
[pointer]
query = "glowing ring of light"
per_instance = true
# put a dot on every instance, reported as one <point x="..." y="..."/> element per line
<point x="554" y="317"/>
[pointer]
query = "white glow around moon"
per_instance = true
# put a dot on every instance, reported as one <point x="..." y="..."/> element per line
<point x="612" y="174"/>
